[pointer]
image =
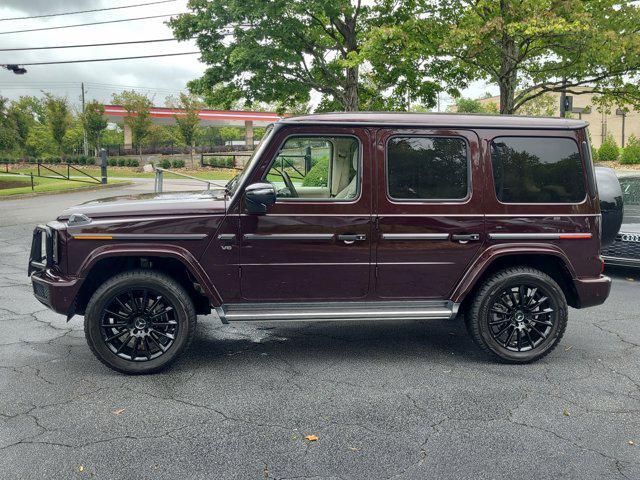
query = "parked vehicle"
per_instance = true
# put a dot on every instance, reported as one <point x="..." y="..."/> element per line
<point x="624" y="249"/>
<point x="490" y="219"/>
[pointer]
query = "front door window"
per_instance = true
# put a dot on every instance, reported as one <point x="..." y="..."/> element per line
<point x="317" y="168"/>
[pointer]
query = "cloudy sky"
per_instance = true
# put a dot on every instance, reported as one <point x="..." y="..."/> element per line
<point x="158" y="77"/>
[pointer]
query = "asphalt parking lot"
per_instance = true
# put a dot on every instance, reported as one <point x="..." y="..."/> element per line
<point x="385" y="400"/>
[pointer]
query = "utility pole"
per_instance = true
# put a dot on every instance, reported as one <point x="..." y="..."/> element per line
<point x="563" y="98"/>
<point x="85" y="144"/>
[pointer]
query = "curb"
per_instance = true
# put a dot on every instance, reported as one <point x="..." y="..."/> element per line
<point x="59" y="192"/>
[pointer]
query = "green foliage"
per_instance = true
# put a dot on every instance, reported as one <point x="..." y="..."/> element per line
<point x="285" y="49"/>
<point x="94" y="123"/>
<point x="188" y="121"/>
<point x="526" y="47"/>
<point x="317" y="176"/>
<point x="608" y="151"/>
<point x="133" y="163"/>
<point x="138" y="107"/>
<point x="177" y="163"/>
<point x="165" y="163"/>
<point x="467" y="105"/>
<point x="112" y="162"/>
<point x="122" y="162"/>
<point x="58" y="118"/>
<point x="631" y="152"/>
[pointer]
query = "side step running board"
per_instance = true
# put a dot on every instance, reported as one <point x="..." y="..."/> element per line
<point x="337" y="311"/>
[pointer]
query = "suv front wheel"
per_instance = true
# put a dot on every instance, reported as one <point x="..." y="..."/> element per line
<point x="519" y="315"/>
<point x="139" y="321"/>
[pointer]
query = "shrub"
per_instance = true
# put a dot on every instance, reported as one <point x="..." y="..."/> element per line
<point x="608" y="151"/>
<point x="631" y="153"/>
<point x="228" y="162"/>
<point x="317" y="176"/>
<point x="90" y="161"/>
<point x="122" y="162"/>
<point x="112" y="162"/>
<point x="165" y="163"/>
<point x="178" y="164"/>
<point x="134" y="163"/>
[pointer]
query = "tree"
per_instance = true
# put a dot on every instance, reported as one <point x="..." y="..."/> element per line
<point x="138" y="119"/>
<point x="527" y="47"/>
<point x="58" y="119"/>
<point x="188" y="121"/>
<point x="94" y="123"/>
<point x="278" y="51"/>
<point x="7" y="127"/>
<point x="468" y="105"/>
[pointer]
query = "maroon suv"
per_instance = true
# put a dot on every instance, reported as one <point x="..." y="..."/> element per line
<point x="346" y="216"/>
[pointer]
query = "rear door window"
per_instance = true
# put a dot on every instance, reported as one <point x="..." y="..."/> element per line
<point x="537" y="170"/>
<point x="427" y="168"/>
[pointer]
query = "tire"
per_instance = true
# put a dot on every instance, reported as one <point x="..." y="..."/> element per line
<point x="528" y="330"/>
<point x="157" y="326"/>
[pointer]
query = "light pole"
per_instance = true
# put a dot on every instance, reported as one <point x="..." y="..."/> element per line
<point x="622" y="113"/>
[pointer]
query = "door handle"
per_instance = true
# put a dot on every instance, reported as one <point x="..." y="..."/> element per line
<point x="352" y="238"/>
<point x="465" y="237"/>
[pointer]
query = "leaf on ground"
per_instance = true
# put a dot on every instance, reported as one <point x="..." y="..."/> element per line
<point x="81" y="468"/>
<point x="311" y="438"/>
<point x="565" y="412"/>
<point x="119" y="411"/>
<point x="353" y="449"/>
<point x="631" y="442"/>
<point x="568" y="348"/>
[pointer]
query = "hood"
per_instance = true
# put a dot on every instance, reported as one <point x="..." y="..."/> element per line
<point x="182" y="203"/>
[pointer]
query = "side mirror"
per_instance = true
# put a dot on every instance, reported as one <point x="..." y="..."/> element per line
<point x="258" y="196"/>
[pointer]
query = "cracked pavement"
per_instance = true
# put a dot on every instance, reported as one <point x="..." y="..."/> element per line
<point x="400" y="400"/>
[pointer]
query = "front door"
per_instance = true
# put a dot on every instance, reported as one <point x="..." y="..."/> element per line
<point x="314" y="243"/>
<point x="429" y="204"/>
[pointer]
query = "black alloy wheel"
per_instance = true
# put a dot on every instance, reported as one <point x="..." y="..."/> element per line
<point x="139" y="324"/>
<point x="518" y="315"/>
<point x="521" y="317"/>
<point x="139" y="321"/>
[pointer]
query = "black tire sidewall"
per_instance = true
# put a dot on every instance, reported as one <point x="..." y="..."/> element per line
<point x="174" y="294"/>
<point x="495" y="288"/>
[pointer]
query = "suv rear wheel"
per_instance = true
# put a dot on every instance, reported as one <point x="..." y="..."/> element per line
<point x="519" y="315"/>
<point x="139" y="321"/>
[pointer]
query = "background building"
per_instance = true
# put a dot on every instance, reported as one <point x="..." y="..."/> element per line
<point x="600" y="123"/>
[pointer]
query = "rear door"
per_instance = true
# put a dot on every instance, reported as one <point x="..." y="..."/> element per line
<point x="430" y="223"/>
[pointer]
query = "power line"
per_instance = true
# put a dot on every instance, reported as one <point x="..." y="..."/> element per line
<point x="110" y="59"/>
<point x="86" y="11"/>
<point x="87" y="24"/>
<point x="87" y="45"/>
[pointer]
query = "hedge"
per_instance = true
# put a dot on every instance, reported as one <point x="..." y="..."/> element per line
<point x="631" y="153"/>
<point x="608" y="151"/>
<point x="317" y="176"/>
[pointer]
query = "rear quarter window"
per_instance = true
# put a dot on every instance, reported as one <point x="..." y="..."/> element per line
<point x="537" y="170"/>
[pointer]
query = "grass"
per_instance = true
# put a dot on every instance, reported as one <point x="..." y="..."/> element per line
<point x="128" y="172"/>
<point x="17" y="185"/>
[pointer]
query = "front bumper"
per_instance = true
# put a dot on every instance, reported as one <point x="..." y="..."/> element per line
<point x="56" y="292"/>
<point x="592" y="291"/>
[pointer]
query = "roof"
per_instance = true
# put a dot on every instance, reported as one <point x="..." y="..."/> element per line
<point x="115" y="113"/>
<point x="436" y="120"/>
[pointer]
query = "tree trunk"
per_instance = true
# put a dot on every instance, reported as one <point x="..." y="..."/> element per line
<point x="508" y="69"/>
<point x="351" y="100"/>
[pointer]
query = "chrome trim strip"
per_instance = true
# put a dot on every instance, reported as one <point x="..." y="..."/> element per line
<point x="535" y="236"/>
<point x="525" y="215"/>
<point x="339" y="315"/>
<point x="620" y="260"/>
<point x="227" y="237"/>
<point x="415" y="236"/>
<point x="307" y="264"/>
<point x="143" y="236"/>
<point x="296" y="237"/>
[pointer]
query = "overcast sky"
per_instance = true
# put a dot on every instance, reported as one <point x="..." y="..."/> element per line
<point x="158" y="76"/>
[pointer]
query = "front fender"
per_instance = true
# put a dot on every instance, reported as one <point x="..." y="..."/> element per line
<point x="491" y="254"/>
<point x="153" y="250"/>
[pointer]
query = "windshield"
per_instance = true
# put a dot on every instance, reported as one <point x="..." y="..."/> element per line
<point x="631" y="195"/>
<point x="232" y="185"/>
